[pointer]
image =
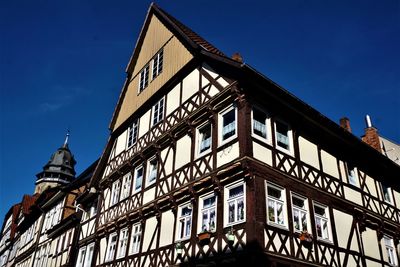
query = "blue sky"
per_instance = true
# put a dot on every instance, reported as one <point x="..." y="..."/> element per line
<point x="62" y="67"/>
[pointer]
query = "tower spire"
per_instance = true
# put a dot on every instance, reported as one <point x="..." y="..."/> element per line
<point x="66" y="139"/>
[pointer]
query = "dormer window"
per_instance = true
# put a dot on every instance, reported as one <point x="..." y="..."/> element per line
<point x="157" y="64"/>
<point x="144" y="78"/>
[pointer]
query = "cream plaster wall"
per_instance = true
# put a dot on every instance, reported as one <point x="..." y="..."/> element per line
<point x="190" y="85"/>
<point x="308" y="152"/>
<point x="344" y="222"/>
<point x="352" y="195"/>
<point x="262" y="153"/>
<point x="370" y="183"/>
<point x="120" y="143"/>
<point x="151" y="225"/>
<point x="371" y="244"/>
<point x="144" y="124"/>
<point x="183" y="151"/>
<point x="149" y="195"/>
<point x="173" y="99"/>
<point x="167" y="228"/>
<point x="167" y="156"/>
<point x="329" y="164"/>
<point x="227" y="154"/>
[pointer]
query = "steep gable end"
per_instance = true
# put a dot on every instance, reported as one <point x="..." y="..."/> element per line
<point x="154" y="38"/>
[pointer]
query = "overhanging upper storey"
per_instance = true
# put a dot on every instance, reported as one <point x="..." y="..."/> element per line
<point x="163" y="48"/>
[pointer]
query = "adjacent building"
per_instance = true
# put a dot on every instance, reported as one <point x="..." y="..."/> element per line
<point x="210" y="163"/>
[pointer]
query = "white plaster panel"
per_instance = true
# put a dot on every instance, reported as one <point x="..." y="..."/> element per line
<point x="262" y="153"/>
<point x="190" y="85"/>
<point x="183" y="151"/>
<point x="121" y="143"/>
<point x="149" y="195"/>
<point x="167" y="228"/>
<point x="173" y="99"/>
<point x="370" y="183"/>
<point x="106" y="199"/>
<point x="352" y="195"/>
<point x="342" y="170"/>
<point x="144" y="123"/>
<point x="371" y="245"/>
<point x="372" y="263"/>
<point x="396" y="196"/>
<point x="151" y="225"/>
<point x="167" y="156"/>
<point x="344" y="223"/>
<point x="308" y="152"/>
<point x="329" y="164"/>
<point x="227" y="154"/>
<point x="102" y="251"/>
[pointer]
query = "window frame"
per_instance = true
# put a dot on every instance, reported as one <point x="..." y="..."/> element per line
<point x="199" y="140"/>
<point x="157" y="68"/>
<point x="135" y="179"/>
<point x="221" y="115"/>
<point x="228" y="199"/>
<point x="156" y="107"/>
<point x="281" y="200"/>
<point x="390" y="247"/>
<point x="86" y="261"/>
<point x="126" y="186"/>
<point x="115" y="192"/>
<point x="144" y="76"/>
<point x="148" y="172"/>
<point x="388" y="198"/>
<point x="267" y="138"/>
<point x="123" y="242"/>
<point x="322" y="218"/>
<point x="110" y="255"/>
<point x="201" y="209"/>
<point x="352" y="179"/>
<point x="185" y="218"/>
<point x="132" y="134"/>
<point x="305" y="209"/>
<point x="288" y="150"/>
<point x="136" y="238"/>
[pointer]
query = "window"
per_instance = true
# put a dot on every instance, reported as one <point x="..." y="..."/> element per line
<point x="126" y="185"/>
<point x="135" y="238"/>
<point x="152" y="171"/>
<point x="282" y="134"/>
<point x="321" y="221"/>
<point x="158" y="112"/>
<point x="276" y="204"/>
<point x="132" y="133"/>
<point x="85" y="256"/>
<point x="158" y="63"/>
<point x="115" y="192"/>
<point x="235" y="203"/>
<point x="300" y="213"/>
<point x="352" y="174"/>
<point x="390" y="250"/>
<point x="122" y="243"/>
<point x="144" y="78"/>
<point x="228" y="124"/>
<point x="386" y="194"/>
<point x="138" y="178"/>
<point x="207" y="217"/>
<point x="204" y="138"/>
<point x="184" y="221"/>
<point x="260" y="124"/>
<point x="112" y="242"/>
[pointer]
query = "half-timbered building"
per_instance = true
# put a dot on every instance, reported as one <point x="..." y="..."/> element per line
<point x="209" y="163"/>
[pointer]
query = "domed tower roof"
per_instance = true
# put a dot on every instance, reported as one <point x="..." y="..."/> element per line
<point x="59" y="170"/>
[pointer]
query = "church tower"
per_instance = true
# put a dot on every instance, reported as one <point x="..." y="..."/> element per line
<point x="58" y="171"/>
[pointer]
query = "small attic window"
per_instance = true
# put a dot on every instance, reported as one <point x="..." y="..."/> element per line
<point x="157" y="62"/>
<point x="144" y="78"/>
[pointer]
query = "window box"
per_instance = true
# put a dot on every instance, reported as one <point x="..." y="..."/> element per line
<point x="204" y="238"/>
<point x="306" y="239"/>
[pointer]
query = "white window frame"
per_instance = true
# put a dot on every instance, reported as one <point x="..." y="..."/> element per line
<point x="126" y="186"/>
<point x="352" y="176"/>
<point x="199" y="139"/>
<point x="386" y="193"/>
<point x="122" y="243"/>
<point x="235" y="200"/>
<point x="275" y="202"/>
<point x="158" y="112"/>
<point x="157" y="64"/>
<point x="86" y="260"/>
<point x="115" y="192"/>
<point x="150" y="171"/>
<point x="132" y="135"/>
<point x="183" y="221"/>
<point x="232" y="124"/>
<point x="267" y="123"/>
<point x="320" y="219"/>
<point x="289" y="137"/>
<point x="211" y="227"/>
<point x="302" y="211"/>
<point x="136" y="178"/>
<point x="390" y="250"/>
<point x="136" y="239"/>
<point x="111" y="247"/>
<point x="144" y="76"/>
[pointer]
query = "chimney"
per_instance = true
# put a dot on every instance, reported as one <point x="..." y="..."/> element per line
<point x="345" y="124"/>
<point x="371" y="136"/>
<point x="237" y="57"/>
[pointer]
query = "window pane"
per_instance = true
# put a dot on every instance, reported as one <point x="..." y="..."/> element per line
<point x="282" y="135"/>
<point x="228" y="124"/>
<point x="259" y="123"/>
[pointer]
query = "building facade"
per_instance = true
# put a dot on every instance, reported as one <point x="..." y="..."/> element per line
<point x="210" y="163"/>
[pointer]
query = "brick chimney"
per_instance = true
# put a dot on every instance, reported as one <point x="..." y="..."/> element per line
<point x="237" y="57"/>
<point x="345" y="124"/>
<point x="371" y="136"/>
